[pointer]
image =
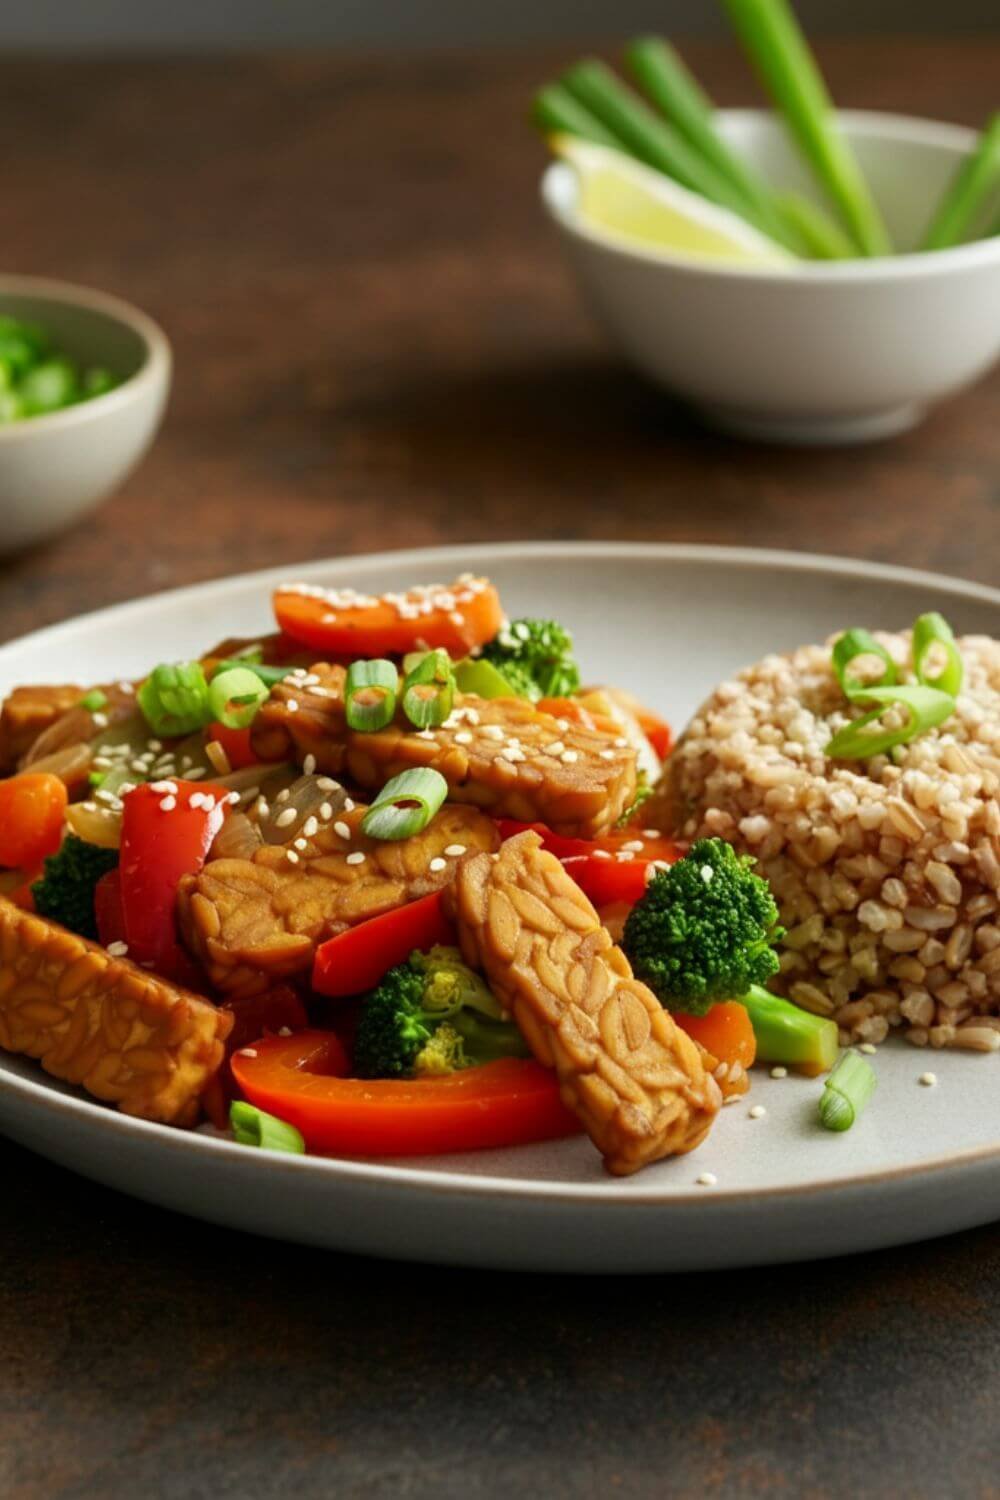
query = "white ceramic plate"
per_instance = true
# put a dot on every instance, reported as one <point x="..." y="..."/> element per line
<point x="667" y="622"/>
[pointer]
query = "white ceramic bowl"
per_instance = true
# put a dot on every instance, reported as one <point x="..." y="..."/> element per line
<point x="827" y="351"/>
<point x="55" y="468"/>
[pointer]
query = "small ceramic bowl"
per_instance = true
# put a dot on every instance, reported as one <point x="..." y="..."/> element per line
<point x="826" y="352"/>
<point x="55" y="468"/>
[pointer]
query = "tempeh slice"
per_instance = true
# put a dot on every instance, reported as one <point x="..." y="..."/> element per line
<point x="500" y="754"/>
<point x="636" y="1081"/>
<point x="252" y="922"/>
<point x="127" y="1036"/>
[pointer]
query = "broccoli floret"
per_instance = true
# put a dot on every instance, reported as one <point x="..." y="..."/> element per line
<point x="66" y="890"/>
<point x="429" y="1016"/>
<point x="536" y="657"/>
<point x="704" y="930"/>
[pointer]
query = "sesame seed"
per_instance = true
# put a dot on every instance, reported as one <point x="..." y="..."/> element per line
<point x="563" y="724"/>
<point x="309" y="764"/>
<point x="758" y="1112"/>
<point x="454" y="850"/>
<point x="633" y="845"/>
<point x="292" y="706"/>
<point x="779" y="1072"/>
<point x="154" y="744"/>
<point x="437" y="864"/>
<point x="163" y="786"/>
<point x="168" y="804"/>
<point x="100" y="721"/>
<point x="327" y="784"/>
<point x="186" y="761"/>
<point x="868" y="1048"/>
<point x="621" y="742"/>
<point x="357" y="858"/>
<point x="651" y="833"/>
<point x="493" y="732"/>
<point x="325" y="811"/>
<point x="342" y="830"/>
<point x="310" y="828"/>
<point x="602" y="853"/>
<point x="302" y="843"/>
<point x="198" y="799"/>
<point x="248" y="1051"/>
<point x="118" y="950"/>
<point x="424" y="734"/>
<point x="125" y="687"/>
<point x="569" y="757"/>
<point x="283" y="795"/>
<point x="291" y="856"/>
<point x="555" y="748"/>
<point x="607" y="754"/>
<point x="101" y="763"/>
<point x="263" y="808"/>
<point x="284" y="1031"/>
<point x="463" y="737"/>
<point x="195" y="773"/>
<point x="286" y="818"/>
<point x="928" y="1080"/>
<point x="706" y="1179"/>
<point x="348" y="804"/>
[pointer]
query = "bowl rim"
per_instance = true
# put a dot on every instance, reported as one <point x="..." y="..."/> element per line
<point x="914" y="129"/>
<point x="154" y="370"/>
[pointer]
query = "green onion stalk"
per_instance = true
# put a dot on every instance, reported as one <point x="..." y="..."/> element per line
<point x="846" y="1092"/>
<point x="973" y="183"/>
<point x="781" y="55"/>
<point x="556" y="112"/>
<point x="788" y="1034"/>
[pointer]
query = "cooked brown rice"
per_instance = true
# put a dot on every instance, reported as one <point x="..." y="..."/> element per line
<point x="887" y="871"/>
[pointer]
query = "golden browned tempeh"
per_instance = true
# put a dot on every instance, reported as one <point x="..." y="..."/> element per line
<point x="253" y="921"/>
<point x="127" y="1036"/>
<point x="26" y="712"/>
<point x="501" y="754"/>
<point x="637" y="1082"/>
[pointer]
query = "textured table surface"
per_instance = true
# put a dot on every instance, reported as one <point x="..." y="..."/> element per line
<point x="377" y="346"/>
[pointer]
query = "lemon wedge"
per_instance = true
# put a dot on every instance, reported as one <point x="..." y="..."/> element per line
<point x="630" y="202"/>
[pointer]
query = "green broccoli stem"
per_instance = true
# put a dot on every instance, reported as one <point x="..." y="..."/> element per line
<point x="487" y="1041"/>
<point x="787" y="1034"/>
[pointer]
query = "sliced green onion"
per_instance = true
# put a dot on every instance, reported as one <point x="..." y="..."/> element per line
<point x="174" y="699"/>
<point x="270" y="676"/>
<point x="819" y="234"/>
<point x="405" y="805"/>
<point x="480" y="677"/>
<point x="926" y="707"/>
<point x="851" y="645"/>
<point x="977" y="176"/>
<point x="930" y="631"/>
<point x="370" y="694"/>
<point x="253" y="1127"/>
<point x="846" y="1092"/>
<point x="94" y="701"/>
<point x="429" y="690"/>
<point x="235" y="696"/>
<point x="412" y="660"/>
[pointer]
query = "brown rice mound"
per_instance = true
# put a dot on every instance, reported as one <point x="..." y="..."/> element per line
<point x="887" y="871"/>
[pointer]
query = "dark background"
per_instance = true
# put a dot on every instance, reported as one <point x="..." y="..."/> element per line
<point x="377" y="346"/>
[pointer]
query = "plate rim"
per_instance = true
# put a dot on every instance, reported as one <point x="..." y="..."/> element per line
<point x="371" y="1171"/>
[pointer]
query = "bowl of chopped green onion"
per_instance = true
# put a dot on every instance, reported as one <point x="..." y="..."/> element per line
<point x="84" y="379"/>
<point x="810" y="275"/>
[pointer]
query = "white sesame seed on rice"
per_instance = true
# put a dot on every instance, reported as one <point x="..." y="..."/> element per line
<point x="357" y="858"/>
<point x="886" y="871"/>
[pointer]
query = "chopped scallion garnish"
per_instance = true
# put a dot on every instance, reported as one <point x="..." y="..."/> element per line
<point x="429" y="690"/>
<point x="94" y="701"/>
<point x="254" y="1127"/>
<point x="406" y="804"/>
<point x="235" y="696"/>
<point x="932" y="633"/>
<point x="846" y="1092"/>
<point x="370" y="694"/>
<point x="860" y="643"/>
<point x="480" y="677"/>
<point x="174" y="698"/>
<point x="270" y="676"/>
<point x="925" y="704"/>
<point x="925" y="707"/>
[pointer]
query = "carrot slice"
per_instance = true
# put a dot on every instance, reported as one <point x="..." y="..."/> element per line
<point x="725" y="1031"/>
<point x="32" y="807"/>
<point x="455" y="618"/>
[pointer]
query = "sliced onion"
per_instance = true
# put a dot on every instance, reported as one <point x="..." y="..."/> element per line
<point x="238" y="838"/>
<point x="71" y="765"/>
<point x="95" y="824"/>
<point x="305" y="797"/>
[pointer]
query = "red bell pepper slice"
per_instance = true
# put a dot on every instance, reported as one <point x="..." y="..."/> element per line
<point x="302" y="1079"/>
<point x="108" y="911"/>
<point x="654" y="846"/>
<point x="606" y="881"/>
<point x="356" y="960"/>
<point x="236" y="744"/>
<point x="163" y="838"/>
